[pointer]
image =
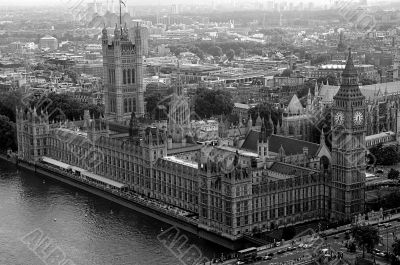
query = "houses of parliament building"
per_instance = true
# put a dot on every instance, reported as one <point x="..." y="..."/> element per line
<point x="265" y="182"/>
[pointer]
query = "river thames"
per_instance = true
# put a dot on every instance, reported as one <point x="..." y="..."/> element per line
<point x="87" y="229"/>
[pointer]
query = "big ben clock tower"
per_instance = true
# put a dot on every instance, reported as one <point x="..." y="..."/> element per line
<point x="348" y="147"/>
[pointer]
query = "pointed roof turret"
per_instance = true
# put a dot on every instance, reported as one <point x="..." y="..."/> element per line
<point x="263" y="134"/>
<point x="259" y="121"/>
<point x="250" y="122"/>
<point x="316" y="90"/>
<point x="350" y="70"/>
<point x="322" y="138"/>
<point x="349" y="88"/>
<point x="117" y="32"/>
<point x="270" y="127"/>
<point x="104" y="31"/>
<point x="295" y="106"/>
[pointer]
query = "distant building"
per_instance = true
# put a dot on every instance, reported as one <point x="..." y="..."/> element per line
<point x="144" y="38"/>
<point x="90" y="69"/>
<point x="48" y="42"/>
<point x="365" y="71"/>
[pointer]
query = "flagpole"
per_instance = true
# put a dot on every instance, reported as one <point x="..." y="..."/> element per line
<point x="120" y="13"/>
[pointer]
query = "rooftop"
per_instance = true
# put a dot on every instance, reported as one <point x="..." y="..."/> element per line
<point x="181" y="162"/>
<point x="240" y="151"/>
<point x="290" y="146"/>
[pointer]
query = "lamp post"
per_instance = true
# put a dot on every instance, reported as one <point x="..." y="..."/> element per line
<point x="387" y="240"/>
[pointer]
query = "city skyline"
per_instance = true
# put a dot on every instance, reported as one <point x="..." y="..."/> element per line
<point x="157" y="2"/>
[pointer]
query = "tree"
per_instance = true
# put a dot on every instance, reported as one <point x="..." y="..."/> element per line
<point x="288" y="232"/>
<point x="9" y="101"/>
<point x="8" y="139"/>
<point x="64" y="106"/>
<point x="242" y="52"/>
<point x="320" y="60"/>
<point x="208" y="103"/>
<point x="396" y="247"/>
<point x="286" y="73"/>
<point x="216" y="51"/>
<point x="152" y="103"/>
<point x="395" y="258"/>
<point x="366" y="237"/>
<point x="196" y="50"/>
<point x="333" y="81"/>
<point x="265" y="110"/>
<point x="366" y="81"/>
<point x="352" y="247"/>
<point x="393" y="174"/>
<point x="73" y="75"/>
<point x="384" y="155"/>
<point x="231" y="54"/>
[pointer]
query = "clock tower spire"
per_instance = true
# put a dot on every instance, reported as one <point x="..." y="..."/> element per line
<point x="348" y="146"/>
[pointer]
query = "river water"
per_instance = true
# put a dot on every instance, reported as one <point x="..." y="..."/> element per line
<point x="85" y="229"/>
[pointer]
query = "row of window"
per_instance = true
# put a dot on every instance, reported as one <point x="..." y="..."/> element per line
<point x="128" y="76"/>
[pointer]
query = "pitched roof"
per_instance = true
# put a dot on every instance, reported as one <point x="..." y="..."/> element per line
<point x="291" y="169"/>
<point x="290" y="145"/>
<point x="295" y="105"/>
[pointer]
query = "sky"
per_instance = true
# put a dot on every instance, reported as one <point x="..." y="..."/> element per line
<point x="53" y="2"/>
<point x="140" y="2"/>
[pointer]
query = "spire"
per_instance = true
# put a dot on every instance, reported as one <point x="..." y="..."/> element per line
<point x="259" y="120"/>
<point x="316" y="90"/>
<point x="309" y="99"/>
<point x="250" y="122"/>
<point x="263" y="134"/>
<point x="350" y="70"/>
<point x="104" y="32"/>
<point x="349" y="88"/>
<point x="117" y="32"/>
<point x="270" y="130"/>
<point x="322" y="138"/>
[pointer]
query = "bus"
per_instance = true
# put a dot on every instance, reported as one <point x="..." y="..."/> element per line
<point x="248" y="254"/>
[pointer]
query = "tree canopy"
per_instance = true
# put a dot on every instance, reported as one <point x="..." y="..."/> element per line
<point x="265" y="110"/>
<point x="8" y="139"/>
<point x="384" y="155"/>
<point x="393" y="174"/>
<point x="208" y="103"/>
<point x="367" y="237"/>
<point x="61" y="106"/>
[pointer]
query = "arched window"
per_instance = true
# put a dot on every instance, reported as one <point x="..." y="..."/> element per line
<point x="133" y="76"/>
<point x="124" y="76"/>
<point x="129" y="76"/>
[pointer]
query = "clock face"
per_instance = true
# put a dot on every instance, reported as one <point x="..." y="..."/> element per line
<point x="339" y="118"/>
<point x="358" y="118"/>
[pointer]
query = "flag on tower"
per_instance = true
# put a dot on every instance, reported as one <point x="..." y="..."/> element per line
<point x="123" y="2"/>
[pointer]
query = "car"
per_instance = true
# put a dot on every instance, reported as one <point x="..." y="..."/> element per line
<point x="379" y="171"/>
<point x="301" y="245"/>
<point x="336" y="237"/>
<point x="388" y="224"/>
<point x="375" y="250"/>
<point x="281" y="251"/>
<point x="277" y="244"/>
<point x="380" y="254"/>
<point x="380" y="225"/>
<point x="267" y="258"/>
<point x="240" y="262"/>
